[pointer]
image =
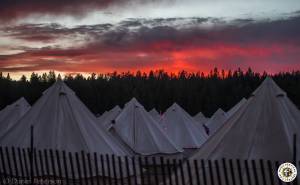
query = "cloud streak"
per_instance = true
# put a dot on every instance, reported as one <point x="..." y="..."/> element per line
<point x="193" y="44"/>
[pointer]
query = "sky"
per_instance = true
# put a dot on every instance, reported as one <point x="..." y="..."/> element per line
<point x="102" y="36"/>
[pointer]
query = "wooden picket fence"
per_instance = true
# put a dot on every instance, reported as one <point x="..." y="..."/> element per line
<point x="31" y="166"/>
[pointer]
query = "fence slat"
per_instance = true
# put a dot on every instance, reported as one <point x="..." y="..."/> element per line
<point x="262" y="166"/>
<point x="78" y="168"/>
<point x="148" y="170"/>
<point x="163" y="173"/>
<point x="121" y="170"/>
<point x="108" y="169"/>
<point x="25" y="163"/>
<point x="96" y="168"/>
<point x="232" y="172"/>
<point x="203" y="171"/>
<point x="58" y="163"/>
<point x="84" y="168"/>
<point x="21" y="163"/>
<point x="91" y="174"/>
<point x="127" y="170"/>
<point x="218" y="172"/>
<point x="169" y="167"/>
<point x="15" y="162"/>
<point x="211" y="174"/>
<point x="249" y="181"/>
<point x="53" y="166"/>
<point x="196" y="167"/>
<point x="72" y="166"/>
<point x="239" y="168"/>
<point x="181" y="172"/>
<point x="8" y="162"/>
<point x="115" y="177"/>
<point x="141" y="170"/>
<point x="41" y="163"/>
<point x="65" y="167"/>
<point x="134" y="170"/>
<point x="175" y="172"/>
<point x="155" y="170"/>
<point x="3" y="163"/>
<point x="103" y="170"/>
<point x="277" y="166"/>
<point x="188" y="165"/>
<point x="255" y="172"/>
<point x="270" y="170"/>
<point x="225" y="171"/>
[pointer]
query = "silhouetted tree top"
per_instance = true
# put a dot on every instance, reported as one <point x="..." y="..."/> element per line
<point x="193" y="91"/>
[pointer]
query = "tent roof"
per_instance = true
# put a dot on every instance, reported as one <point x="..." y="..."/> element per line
<point x="236" y="107"/>
<point x="200" y="118"/>
<point x="61" y="121"/>
<point x="12" y="113"/>
<point x="216" y="121"/>
<point x="110" y="116"/>
<point x="182" y="128"/>
<point x="141" y="132"/>
<point x="262" y="128"/>
<point x="155" y="115"/>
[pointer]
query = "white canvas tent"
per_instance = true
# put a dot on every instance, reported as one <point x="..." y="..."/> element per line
<point x="110" y="116"/>
<point x="200" y="118"/>
<point x="12" y="113"/>
<point x="236" y="107"/>
<point x="155" y="115"/>
<point x="141" y="132"/>
<point x="262" y="128"/>
<point x="61" y="121"/>
<point x="182" y="128"/>
<point x="216" y="121"/>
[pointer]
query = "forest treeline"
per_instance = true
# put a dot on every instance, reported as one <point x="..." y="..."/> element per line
<point x="193" y="91"/>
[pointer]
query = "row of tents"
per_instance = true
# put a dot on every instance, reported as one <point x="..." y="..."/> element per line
<point x="261" y="127"/>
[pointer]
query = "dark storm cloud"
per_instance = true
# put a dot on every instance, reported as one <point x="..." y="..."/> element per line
<point x="14" y="9"/>
<point x="146" y="43"/>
